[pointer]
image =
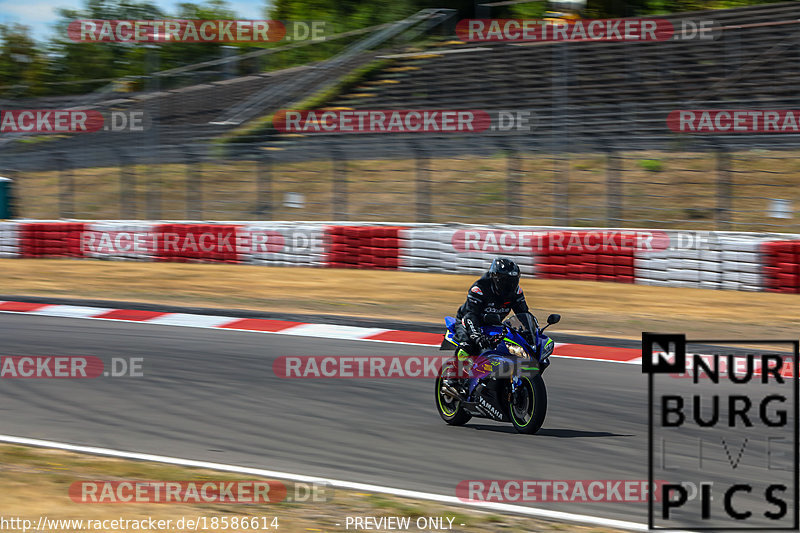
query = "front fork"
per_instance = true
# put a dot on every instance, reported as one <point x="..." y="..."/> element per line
<point x="516" y="382"/>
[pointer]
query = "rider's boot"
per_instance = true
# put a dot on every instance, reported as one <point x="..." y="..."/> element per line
<point x="464" y="362"/>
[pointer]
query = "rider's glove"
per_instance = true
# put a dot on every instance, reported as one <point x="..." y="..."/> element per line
<point x="482" y="341"/>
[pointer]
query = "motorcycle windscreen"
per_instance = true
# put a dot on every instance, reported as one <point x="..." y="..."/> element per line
<point x="448" y="342"/>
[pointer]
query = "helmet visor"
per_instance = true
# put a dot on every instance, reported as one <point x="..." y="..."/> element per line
<point x="505" y="283"/>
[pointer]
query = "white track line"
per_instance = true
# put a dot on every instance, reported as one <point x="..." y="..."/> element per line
<point x="69" y="311"/>
<point x="190" y="320"/>
<point x="332" y="331"/>
<point x="364" y="487"/>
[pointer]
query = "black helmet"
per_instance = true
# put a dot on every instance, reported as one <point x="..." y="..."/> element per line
<point x="504" y="274"/>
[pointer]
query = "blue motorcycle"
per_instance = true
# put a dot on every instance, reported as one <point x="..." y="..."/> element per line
<point x="503" y="383"/>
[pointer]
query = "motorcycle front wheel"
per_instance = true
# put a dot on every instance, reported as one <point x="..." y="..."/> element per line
<point x="528" y="405"/>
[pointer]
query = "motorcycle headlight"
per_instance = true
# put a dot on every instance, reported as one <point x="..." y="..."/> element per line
<point x="517" y="350"/>
<point x="547" y="350"/>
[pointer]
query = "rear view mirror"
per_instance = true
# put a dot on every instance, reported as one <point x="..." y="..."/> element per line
<point x="553" y="319"/>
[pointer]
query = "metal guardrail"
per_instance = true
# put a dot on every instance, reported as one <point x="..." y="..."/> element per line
<point x="703" y="186"/>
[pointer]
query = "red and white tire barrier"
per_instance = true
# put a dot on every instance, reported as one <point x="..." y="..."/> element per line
<point x="781" y="261"/>
<point x="9" y="239"/>
<point x="727" y="262"/>
<point x="370" y="247"/>
<point x="282" y="244"/>
<point x="118" y="240"/>
<point x="714" y="260"/>
<point x="50" y="239"/>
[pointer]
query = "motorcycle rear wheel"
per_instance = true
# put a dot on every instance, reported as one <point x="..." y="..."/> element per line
<point x="449" y="408"/>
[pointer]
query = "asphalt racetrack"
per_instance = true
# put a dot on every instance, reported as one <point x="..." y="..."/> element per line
<point x="211" y="395"/>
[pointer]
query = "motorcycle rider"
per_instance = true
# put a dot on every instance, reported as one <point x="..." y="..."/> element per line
<point x="489" y="300"/>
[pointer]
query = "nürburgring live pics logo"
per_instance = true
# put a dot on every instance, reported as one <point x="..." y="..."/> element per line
<point x="726" y="440"/>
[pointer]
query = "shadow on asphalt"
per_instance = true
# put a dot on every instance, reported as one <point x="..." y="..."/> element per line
<point x="572" y="433"/>
<point x="548" y="432"/>
<point x="488" y="427"/>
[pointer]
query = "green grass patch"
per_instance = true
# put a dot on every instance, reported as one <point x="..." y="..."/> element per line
<point x="651" y="165"/>
<point x="263" y="125"/>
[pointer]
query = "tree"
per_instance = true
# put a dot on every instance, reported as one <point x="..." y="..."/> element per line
<point x="20" y="60"/>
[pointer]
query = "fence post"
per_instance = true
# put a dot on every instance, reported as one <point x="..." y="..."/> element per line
<point x="423" y="184"/>
<point x="66" y="188"/>
<point x="513" y="189"/>
<point x="153" y="192"/>
<point x="561" y="190"/>
<point x="339" y="189"/>
<point x="264" y="207"/>
<point x="153" y="176"/>
<point x="724" y="189"/>
<point x="560" y="133"/>
<point x="194" y="186"/>
<point x="127" y="188"/>
<point x="613" y="189"/>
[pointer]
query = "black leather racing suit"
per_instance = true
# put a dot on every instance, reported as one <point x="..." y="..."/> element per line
<point x="483" y="303"/>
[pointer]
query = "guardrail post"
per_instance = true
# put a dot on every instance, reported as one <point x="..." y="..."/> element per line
<point x="194" y="186"/>
<point x="724" y="189"/>
<point x="560" y="133"/>
<point x="264" y="208"/>
<point x="561" y="189"/>
<point x="513" y="185"/>
<point x="127" y="188"/>
<point x="153" y="192"/>
<point x="423" y="184"/>
<point x="66" y="188"/>
<point x="613" y="189"/>
<point x="154" y="181"/>
<point x="339" y="186"/>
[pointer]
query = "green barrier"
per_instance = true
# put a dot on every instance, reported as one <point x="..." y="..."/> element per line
<point x="5" y="198"/>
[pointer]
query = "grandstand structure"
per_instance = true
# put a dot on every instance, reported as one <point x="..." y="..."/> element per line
<point x="595" y="95"/>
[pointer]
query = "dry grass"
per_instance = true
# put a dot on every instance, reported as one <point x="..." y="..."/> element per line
<point x="664" y="189"/>
<point x="608" y="309"/>
<point x="35" y="482"/>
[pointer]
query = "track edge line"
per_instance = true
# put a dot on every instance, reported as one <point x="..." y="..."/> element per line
<point x="495" y="506"/>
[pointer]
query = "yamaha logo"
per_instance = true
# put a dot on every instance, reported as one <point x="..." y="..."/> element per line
<point x="492" y="410"/>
